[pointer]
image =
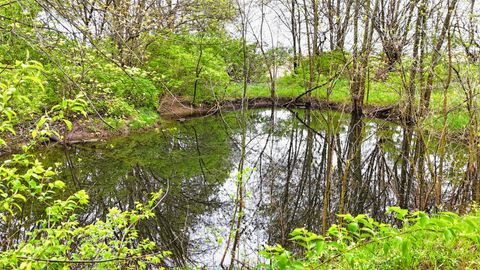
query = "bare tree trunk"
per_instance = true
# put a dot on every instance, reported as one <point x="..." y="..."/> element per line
<point x="316" y="25"/>
<point x="442" y="143"/>
<point x="436" y="54"/>
<point x="392" y="24"/>
<point x="361" y="58"/>
<point x="342" y="26"/>
<point x="294" y="34"/>
<point x="419" y="29"/>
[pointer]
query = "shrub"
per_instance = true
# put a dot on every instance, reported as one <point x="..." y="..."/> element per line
<point x="60" y="241"/>
<point x="131" y="84"/>
<point x="331" y="61"/>
<point x="174" y="62"/>
<point x="444" y="239"/>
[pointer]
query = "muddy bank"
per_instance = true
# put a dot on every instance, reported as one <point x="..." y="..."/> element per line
<point x="83" y="131"/>
<point x="174" y="108"/>
<point x="94" y="129"/>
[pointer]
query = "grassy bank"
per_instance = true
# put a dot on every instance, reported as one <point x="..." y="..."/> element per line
<point x="379" y="94"/>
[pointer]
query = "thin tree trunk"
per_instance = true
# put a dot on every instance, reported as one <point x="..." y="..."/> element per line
<point x="436" y="55"/>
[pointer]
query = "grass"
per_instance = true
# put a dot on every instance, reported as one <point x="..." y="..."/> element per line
<point x="378" y="93"/>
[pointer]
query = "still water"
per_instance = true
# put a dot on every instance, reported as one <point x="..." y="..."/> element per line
<point x="301" y="169"/>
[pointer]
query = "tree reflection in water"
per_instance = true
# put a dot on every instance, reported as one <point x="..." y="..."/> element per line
<point x="308" y="167"/>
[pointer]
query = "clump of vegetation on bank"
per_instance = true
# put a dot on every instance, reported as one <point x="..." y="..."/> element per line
<point x="417" y="241"/>
<point x="57" y="240"/>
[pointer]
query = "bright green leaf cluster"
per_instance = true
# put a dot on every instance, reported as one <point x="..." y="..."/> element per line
<point x="445" y="240"/>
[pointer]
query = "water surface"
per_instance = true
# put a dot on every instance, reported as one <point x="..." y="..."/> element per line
<point x="301" y="169"/>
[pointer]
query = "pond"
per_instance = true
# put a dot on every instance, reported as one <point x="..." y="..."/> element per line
<point x="300" y="169"/>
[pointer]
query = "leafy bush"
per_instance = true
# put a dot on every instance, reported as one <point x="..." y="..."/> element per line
<point x="17" y="16"/>
<point x="114" y="90"/>
<point x="331" y="61"/>
<point x="444" y="240"/>
<point x="131" y="84"/>
<point x="22" y="92"/>
<point x="59" y="241"/>
<point x="180" y="62"/>
<point x="116" y="107"/>
<point x="144" y="118"/>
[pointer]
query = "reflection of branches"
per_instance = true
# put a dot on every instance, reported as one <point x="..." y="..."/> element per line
<point x="200" y="159"/>
<point x="306" y="124"/>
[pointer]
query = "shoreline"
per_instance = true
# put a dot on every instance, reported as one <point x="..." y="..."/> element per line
<point x="176" y="109"/>
<point x="172" y="108"/>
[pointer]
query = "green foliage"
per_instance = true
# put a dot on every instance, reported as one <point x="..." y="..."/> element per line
<point x="143" y="119"/>
<point x="258" y="64"/>
<point x="232" y="52"/>
<point x="115" y="90"/>
<point x="115" y="107"/>
<point x="60" y="241"/>
<point x="23" y="179"/>
<point x="16" y="19"/>
<point x="22" y="91"/>
<point x="61" y="112"/>
<point x="444" y="240"/>
<point x="177" y="62"/>
<point x="331" y="61"/>
<point x="131" y="84"/>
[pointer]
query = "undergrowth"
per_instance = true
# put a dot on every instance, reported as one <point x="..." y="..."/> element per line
<point x="418" y="241"/>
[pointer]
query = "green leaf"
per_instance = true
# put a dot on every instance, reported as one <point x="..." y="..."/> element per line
<point x="68" y="123"/>
<point x="19" y="196"/>
<point x="41" y="122"/>
<point x="353" y="227"/>
<point x="59" y="184"/>
<point x="405" y="245"/>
